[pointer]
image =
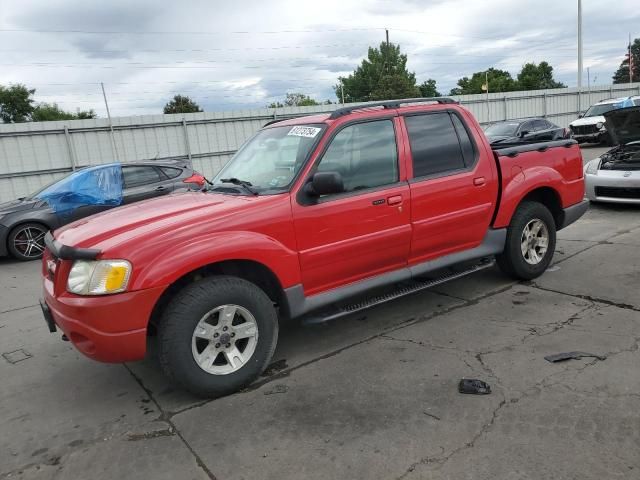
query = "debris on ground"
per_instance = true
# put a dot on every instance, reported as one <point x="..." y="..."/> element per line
<point x="561" y="357"/>
<point x="277" y="389"/>
<point x="474" y="387"/>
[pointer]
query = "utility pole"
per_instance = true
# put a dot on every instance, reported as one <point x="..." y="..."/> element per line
<point x="486" y="82"/>
<point x="630" y="62"/>
<point x="113" y="139"/>
<point x="589" y="84"/>
<point x="342" y="91"/>
<point x="386" y="32"/>
<point x="579" y="46"/>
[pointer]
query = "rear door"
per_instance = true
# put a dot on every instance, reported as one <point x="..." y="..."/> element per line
<point x="144" y="181"/>
<point x="365" y="230"/>
<point x="454" y="186"/>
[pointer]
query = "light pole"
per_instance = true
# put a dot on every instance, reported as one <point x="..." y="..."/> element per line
<point x="579" y="45"/>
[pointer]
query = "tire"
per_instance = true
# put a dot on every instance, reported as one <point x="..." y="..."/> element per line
<point x="532" y="264"/>
<point x="197" y="313"/>
<point x="26" y="242"/>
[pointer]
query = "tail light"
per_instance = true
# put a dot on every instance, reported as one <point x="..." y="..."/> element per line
<point x="196" y="178"/>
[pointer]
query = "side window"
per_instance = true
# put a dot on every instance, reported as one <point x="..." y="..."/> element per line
<point x="466" y="144"/>
<point x="140" y="175"/>
<point x="527" y="127"/>
<point x="434" y="144"/>
<point x="539" y="125"/>
<point x="171" y="172"/>
<point x="364" y="154"/>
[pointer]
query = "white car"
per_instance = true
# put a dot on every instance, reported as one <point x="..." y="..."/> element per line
<point x="615" y="176"/>
<point x="590" y="126"/>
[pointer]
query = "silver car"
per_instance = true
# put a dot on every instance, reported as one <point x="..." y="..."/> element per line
<point x="615" y="176"/>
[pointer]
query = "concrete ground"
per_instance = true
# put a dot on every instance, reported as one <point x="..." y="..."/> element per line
<point x="373" y="396"/>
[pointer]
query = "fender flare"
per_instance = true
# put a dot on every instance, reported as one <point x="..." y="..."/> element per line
<point x="196" y="253"/>
<point x="521" y="185"/>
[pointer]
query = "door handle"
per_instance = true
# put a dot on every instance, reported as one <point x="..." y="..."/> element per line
<point x="160" y="188"/>
<point x="479" y="181"/>
<point x="394" y="200"/>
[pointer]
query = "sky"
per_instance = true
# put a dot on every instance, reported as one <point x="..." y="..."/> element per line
<point x="246" y="54"/>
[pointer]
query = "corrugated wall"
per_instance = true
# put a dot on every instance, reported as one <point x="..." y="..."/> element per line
<point x="35" y="154"/>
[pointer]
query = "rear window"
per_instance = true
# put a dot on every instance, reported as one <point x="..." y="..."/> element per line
<point x="435" y="148"/>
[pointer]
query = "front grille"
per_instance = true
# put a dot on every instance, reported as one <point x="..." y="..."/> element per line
<point x="618" y="192"/>
<point x="584" y="129"/>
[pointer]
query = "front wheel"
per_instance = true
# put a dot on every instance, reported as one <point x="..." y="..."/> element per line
<point x="217" y="335"/>
<point x="531" y="242"/>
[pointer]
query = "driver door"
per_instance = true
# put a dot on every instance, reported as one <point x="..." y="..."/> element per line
<point x="365" y="230"/>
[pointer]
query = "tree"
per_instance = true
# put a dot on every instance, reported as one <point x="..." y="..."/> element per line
<point x="499" y="81"/>
<point x="16" y="103"/>
<point x="537" y="77"/>
<point x="181" y="104"/>
<point x="428" y="89"/>
<point x="383" y="75"/>
<point x="622" y="74"/>
<point x="294" y="100"/>
<point x="47" y="112"/>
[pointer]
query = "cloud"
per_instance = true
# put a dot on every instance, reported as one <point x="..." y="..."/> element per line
<point x="247" y="54"/>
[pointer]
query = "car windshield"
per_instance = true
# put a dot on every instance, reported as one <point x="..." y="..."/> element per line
<point x="502" y="129"/>
<point x="598" y="110"/>
<point x="270" y="160"/>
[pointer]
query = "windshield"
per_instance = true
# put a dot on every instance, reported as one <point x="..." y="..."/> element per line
<point x="271" y="159"/>
<point x="597" y="110"/>
<point x="502" y="129"/>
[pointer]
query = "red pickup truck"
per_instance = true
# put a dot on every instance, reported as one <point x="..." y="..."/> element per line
<point x="313" y="218"/>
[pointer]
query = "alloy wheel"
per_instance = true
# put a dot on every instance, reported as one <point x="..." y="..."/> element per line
<point x="29" y="241"/>
<point x="534" y="241"/>
<point x="224" y="339"/>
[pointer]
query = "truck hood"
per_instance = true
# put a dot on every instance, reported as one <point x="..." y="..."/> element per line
<point x="587" y="121"/>
<point x="624" y="125"/>
<point x="179" y="215"/>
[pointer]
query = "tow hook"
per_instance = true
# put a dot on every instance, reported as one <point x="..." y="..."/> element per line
<point x="64" y="338"/>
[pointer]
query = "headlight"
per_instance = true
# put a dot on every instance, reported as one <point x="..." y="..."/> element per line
<point x="98" y="277"/>
<point x="599" y="125"/>
<point x="593" y="166"/>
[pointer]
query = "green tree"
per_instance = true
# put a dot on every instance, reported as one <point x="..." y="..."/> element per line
<point x="47" y="112"/>
<point x="383" y="75"/>
<point x="428" y="89"/>
<point x="622" y="74"/>
<point x="499" y="81"/>
<point x="294" y="100"/>
<point x="181" y="104"/>
<point x="16" y="103"/>
<point x="537" y="77"/>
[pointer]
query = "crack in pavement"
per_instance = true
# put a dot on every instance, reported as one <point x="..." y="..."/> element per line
<point x="172" y="427"/>
<point x="589" y="298"/>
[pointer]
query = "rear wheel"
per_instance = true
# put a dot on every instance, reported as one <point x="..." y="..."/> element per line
<point x="217" y="335"/>
<point x="531" y="242"/>
<point x="26" y="241"/>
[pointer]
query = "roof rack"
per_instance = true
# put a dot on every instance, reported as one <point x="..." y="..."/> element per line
<point x="389" y="104"/>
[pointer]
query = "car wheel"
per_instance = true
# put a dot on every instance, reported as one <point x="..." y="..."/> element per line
<point x="217" y="335"/>
<point x="26" y="241"/>
<point x="531" y="242"/>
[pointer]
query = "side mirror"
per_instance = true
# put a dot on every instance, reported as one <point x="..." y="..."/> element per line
<point x="580" y="115"/>
<point x="325" y="183"/>
<point x="523" y="133"/>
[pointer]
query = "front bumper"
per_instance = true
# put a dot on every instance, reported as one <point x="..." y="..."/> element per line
<point x="589" y="138"/>
<point x="109" y="328"/>
<point x="616" y="186"/>
<point x="4" y="233"/>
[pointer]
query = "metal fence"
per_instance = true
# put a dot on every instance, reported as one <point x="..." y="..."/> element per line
<point x="34" y="154"/>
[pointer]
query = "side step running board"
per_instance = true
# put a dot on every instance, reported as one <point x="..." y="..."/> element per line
<point x="406" y="288"/>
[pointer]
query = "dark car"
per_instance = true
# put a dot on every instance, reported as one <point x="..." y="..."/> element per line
<point x="24" y="222"/>
<point x="524" y="130"/>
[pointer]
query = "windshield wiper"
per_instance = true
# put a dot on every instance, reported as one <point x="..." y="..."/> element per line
<point x="241" y="183"/>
